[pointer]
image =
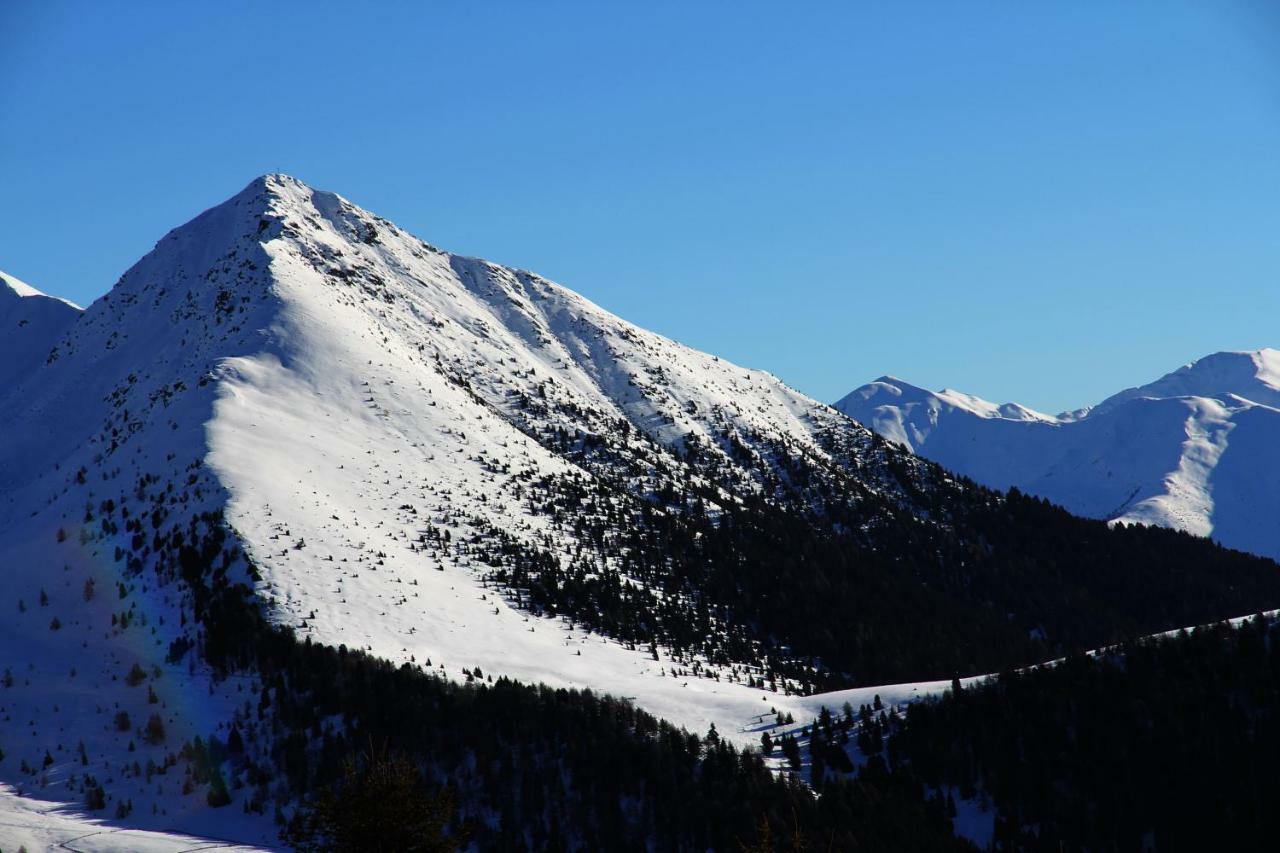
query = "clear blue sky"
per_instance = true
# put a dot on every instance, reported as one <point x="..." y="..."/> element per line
<point x="1033" y="201"/>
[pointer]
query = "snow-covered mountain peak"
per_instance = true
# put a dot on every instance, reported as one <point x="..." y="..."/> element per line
<point x="1195" y="449"/>
<point x="891" y="388"/>
<point x="1250" y="375"/>
<point x="369" y="413"/>
<point x="906" y="414"/>
<point x="13" y="288"/>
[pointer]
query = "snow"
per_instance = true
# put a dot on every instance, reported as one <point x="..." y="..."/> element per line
<point x="10" y="286"/>
<point x="40" y="825"/>
<point x="1252" y="376"/>
<point x="1194" y="450"/>
<point x="68" y="685"/>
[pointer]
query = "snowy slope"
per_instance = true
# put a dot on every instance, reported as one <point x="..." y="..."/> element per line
<point x="36" y="825"/>
<point x="335" y="389"/>
<point x="1195" y="450"/>
<point x="347" y="445"/>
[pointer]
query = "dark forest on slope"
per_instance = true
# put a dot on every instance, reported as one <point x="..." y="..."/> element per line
<point x="1168" y="742"/>
<point x="817" y="580"/>
<point x="822" y="580"/>
<point x="529" y="767"/>
<point x="815" y="570"/>
<point x="544" y="769"/>
<point x="1165" y="744"/>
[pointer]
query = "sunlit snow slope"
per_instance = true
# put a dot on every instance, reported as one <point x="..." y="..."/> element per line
<point x="1197" y="450"/>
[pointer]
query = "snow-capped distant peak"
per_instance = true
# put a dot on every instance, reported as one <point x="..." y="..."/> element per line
<point x="987" y="409"/>
<point x="889" y="386"/>
<point x="1195" y="449"/>
<point x="12" y="287"/>
<point x="891" y="390"/>
<point x="1251" y="375"/>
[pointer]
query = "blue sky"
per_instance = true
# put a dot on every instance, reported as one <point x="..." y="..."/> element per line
<point x="1033" y="201"/>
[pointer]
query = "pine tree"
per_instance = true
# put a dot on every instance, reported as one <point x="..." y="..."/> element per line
<point x="95" y="798"/>
<point x="218" y="795"/>
<point x="154" y="731"/>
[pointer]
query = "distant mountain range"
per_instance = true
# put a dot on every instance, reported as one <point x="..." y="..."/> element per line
<point x="1197" y="450"/>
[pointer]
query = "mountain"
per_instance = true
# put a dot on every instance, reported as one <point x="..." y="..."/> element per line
<point x="1195" y="450"/>
<point x="301" y="481"/>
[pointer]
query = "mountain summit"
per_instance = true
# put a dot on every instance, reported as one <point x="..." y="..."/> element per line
<point x="1194" y="450"/>
<point x="1252" y="376"/>
<point x="378" y="421"/>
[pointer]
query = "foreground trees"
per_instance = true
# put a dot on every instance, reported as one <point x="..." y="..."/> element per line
<point x="1164" y="744"/>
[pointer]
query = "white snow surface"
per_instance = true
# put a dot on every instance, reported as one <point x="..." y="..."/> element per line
<point x="42" y="825"/>
<point x="1197" y="450"/>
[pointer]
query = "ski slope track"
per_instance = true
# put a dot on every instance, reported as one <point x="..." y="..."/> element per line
<point x="1196" y="450"/>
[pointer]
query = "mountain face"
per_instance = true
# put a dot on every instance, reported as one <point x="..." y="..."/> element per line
<point x="371" y="414"/>
<point x="1195" y="450"/>
<point x="293" y="411"/>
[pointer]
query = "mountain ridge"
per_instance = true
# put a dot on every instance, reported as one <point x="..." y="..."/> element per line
<point x="1188" y="450"/>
